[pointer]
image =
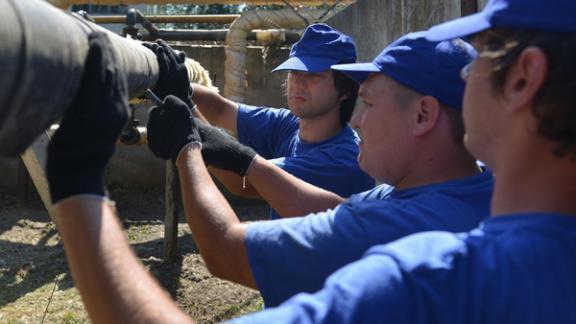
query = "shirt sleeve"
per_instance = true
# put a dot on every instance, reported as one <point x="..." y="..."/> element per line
<point x="289" y="256"/>
<point x="413" y="280"/>
<point x="263" y="128"/>
<point x="371" y="290"/>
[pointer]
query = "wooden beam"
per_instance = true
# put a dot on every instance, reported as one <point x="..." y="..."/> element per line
<point x="172" y="201"/>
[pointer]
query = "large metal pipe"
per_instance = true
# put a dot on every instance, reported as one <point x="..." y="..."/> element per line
<point x="67" y="3"/>
<point x="42" y="58"/>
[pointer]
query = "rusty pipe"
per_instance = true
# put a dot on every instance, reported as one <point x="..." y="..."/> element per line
<point x="180" y="19"/>
<point x="42" y="59"/>
<point x="219" y="35"/>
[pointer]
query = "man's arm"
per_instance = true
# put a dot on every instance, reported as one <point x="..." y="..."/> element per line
<point x="236" y="184"/>
<point x="113" y="284"/>
<point x="216" y="109"/>
<point x="215" y="227"/>
<point x="287" y="194"/>
<point x="173" y="135"/>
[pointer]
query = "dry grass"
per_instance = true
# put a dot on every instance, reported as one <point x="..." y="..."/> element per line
<point x="35" y="282"/>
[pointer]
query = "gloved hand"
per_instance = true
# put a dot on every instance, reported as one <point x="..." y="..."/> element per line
<point x="173" y="72"/>
<point x="171" y="127"/>
<point x="223" y="151"/>
<point x="86" y="139"/>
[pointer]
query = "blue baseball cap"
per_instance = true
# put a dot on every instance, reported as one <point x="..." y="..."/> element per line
<point x="545" y="15"/>
<point x="430" y="68"/>
<point x="320" y="47"/>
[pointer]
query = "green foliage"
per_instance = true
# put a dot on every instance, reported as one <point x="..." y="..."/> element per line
<point x="213" y="9"/>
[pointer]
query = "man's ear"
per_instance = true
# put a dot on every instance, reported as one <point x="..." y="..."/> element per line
<point x="427" y="112"/>
<point x="525" y="78"/>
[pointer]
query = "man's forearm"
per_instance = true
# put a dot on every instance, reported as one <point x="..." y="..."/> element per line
<point x="215" y="227"/>
<point x="114" y="286"/>
<point x="285" y="193"/>
<point x="236" y="184"/>
<point x="216" y="109"/>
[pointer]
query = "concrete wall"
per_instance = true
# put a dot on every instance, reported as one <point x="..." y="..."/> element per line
<point x="263" y="87"/>
<point x="375" y="23"/>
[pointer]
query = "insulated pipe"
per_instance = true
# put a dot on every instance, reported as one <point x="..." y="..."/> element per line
<point x="236" y="42"/>
<point x="42" y="59"/>
<point x="67" y="3"/>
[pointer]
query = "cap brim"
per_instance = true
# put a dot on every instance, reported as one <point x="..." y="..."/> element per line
<point x="358" y="72"/>
<point x="461" y="27"/>
<point x="307" y="64"/>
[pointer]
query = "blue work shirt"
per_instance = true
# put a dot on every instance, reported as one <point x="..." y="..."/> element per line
<point x="512" y="269"/>
<point x="331" y="164"/>
<point x="295" y="255"/>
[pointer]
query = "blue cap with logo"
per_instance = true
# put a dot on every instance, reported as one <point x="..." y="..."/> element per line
<point x="320" y="47"/>
<point x="430" y="68"/>
<point x="546" y="15"/>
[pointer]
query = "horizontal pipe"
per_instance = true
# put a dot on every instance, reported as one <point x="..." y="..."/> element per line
<point x="176" y="19"/>
<point x="214" y="35"/>
<point x="42" y="60"/>
<point x="67" y="3"/>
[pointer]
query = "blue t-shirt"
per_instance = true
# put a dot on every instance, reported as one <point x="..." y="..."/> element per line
<point x="512" y="269"/>
<point x="331" y="164"/>
<point x="289" y="256"/>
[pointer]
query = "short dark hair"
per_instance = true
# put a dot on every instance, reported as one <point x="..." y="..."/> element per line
<point x="555" y="102"/>
<point x="345" y="85"/>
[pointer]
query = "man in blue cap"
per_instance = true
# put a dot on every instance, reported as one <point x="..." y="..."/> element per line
<point x="517" y="267"/>
<point x="411" y="128"/>
<point x="312" y="135"/>
<point x="437" y="185"/>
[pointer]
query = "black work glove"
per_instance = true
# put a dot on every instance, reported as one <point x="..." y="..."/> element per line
<point x="171" y="126"/>
<point x="223" y="151"/>
<point x="173" y="77"/>
<point x="86" y="139"/>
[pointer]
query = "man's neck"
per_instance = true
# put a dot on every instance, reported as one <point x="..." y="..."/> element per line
<point x="545" y="185"/>
<point x="438" y="163"/>
<point x="320" y="128"/>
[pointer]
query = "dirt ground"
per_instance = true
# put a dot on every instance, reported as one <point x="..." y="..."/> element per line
<point x="36" y="287"/>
